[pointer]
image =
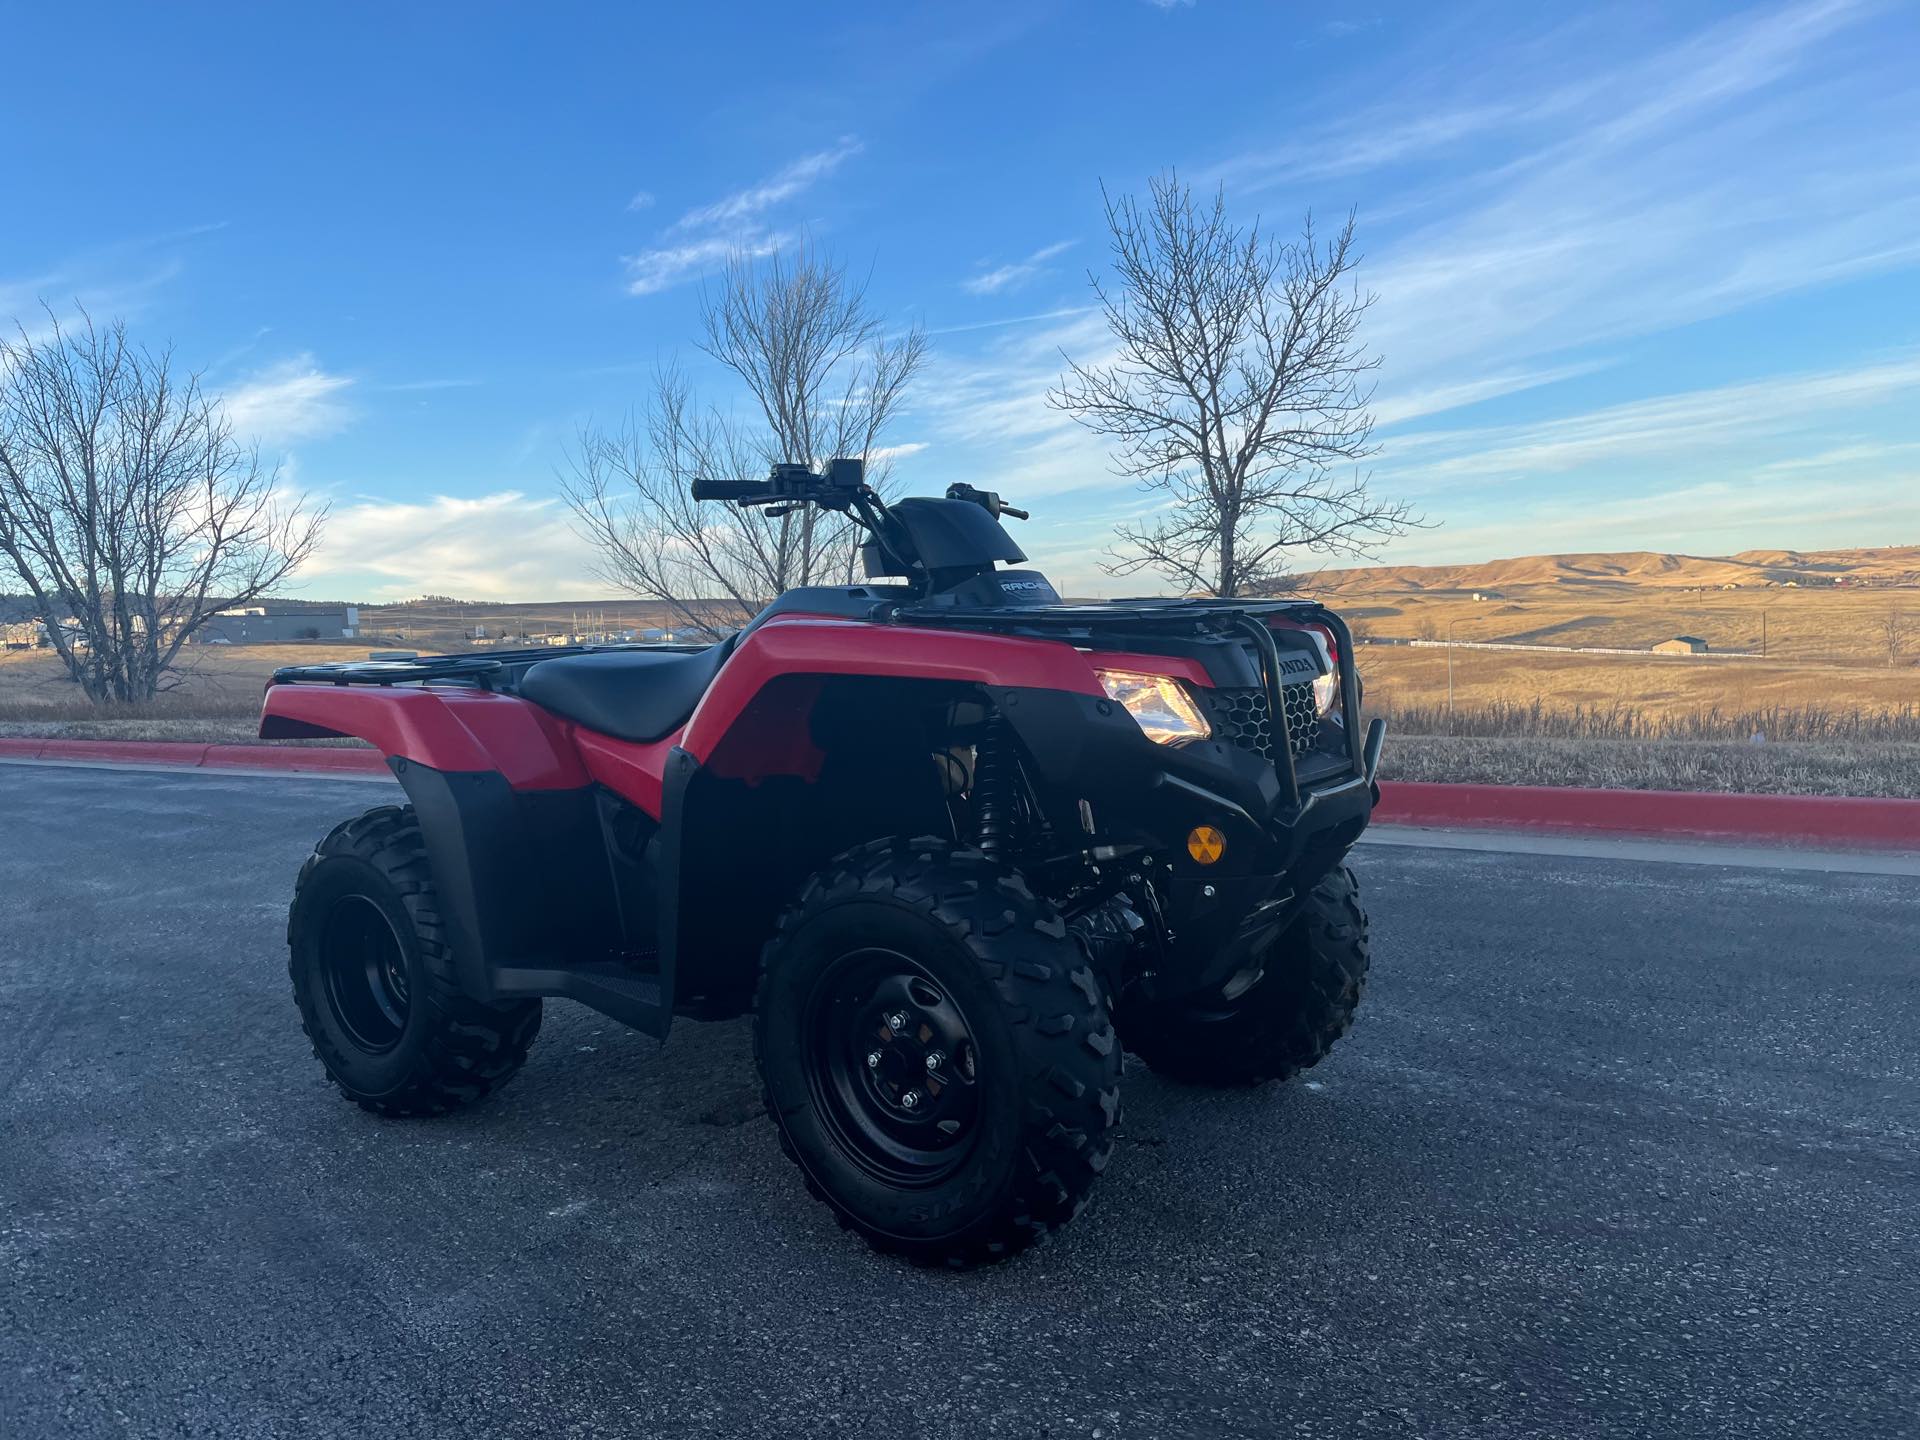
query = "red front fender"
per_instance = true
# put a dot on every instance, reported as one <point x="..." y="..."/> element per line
<point x="822" y="647"/>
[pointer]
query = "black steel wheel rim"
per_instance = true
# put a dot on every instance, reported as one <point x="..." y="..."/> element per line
<point x="892" y="1066"/>
<point x="364" y="968"/>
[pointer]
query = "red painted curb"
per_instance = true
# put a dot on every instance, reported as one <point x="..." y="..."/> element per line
<point x="1848" y="821"/>
<point x="319" y="760"/>
<point x="1837" y="820"/>
<point x="275" y="759"/>
<point x="133" y="752"/>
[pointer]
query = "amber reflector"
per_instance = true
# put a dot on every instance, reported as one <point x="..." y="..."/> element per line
<point x="1205" y="844"/>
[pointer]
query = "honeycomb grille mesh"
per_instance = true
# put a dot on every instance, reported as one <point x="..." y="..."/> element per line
<point x="1241" y="716"/>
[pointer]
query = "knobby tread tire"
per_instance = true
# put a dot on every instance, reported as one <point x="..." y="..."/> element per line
<point x="456" y="1049"/>
<point x="1051" y="998"/>
<point x="1291" y="1018"/>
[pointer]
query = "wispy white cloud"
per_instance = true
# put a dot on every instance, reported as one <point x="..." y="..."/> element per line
<point x="989" y="411"/>
<point x="1573" y="103"/>
<point x="1611" y="199"/>
<point x="1063" y="313"/>
<point x="655" y="270"/>
<point x="408" y="386"/>
<point x="503" y="546"/>
<point x="705" y="237"/>
<point x="1668" y="431"/>
<point x="293" y="400"/>
<point x="1171" y="4"/>
<point x="642" y="200"/>
<point x="790" y="180"/>
<point x="1712" y="517"/>
<point x="1014" y="273"/>
<point x="1412" y="404"/>
<point x="96" y="284"/>
<point x="1845" y="457"/>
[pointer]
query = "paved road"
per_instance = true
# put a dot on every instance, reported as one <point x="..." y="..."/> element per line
<point x="1618" y="1148"/>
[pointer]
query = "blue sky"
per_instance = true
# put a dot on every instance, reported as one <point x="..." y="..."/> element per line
<point x="1648" y="277"/>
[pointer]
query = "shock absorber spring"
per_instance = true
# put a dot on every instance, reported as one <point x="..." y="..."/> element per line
<point x="995" y="778"/>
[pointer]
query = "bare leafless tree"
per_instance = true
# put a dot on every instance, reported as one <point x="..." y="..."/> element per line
<point x="826" y="379"/>
<point x="128" y="509"/>
<point x="1893" y="625"/>
<point x="1240" y="391"/>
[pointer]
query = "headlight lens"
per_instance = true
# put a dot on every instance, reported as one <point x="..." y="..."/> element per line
<point x="1326" y="688"/>
<point x="1326" y="694"/>
<point x="1157" y="703"/>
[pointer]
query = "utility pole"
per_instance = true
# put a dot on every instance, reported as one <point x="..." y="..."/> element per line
<point x="1449" y="669"/>
<point x="1763" y="634"/>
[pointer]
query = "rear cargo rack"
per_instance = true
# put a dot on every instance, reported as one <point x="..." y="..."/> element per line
<point x="483" y="671"/>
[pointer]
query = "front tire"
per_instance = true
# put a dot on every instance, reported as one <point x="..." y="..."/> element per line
<point x="1285" y="1020"/>
<point x="937" y="1053"/>
<point x="373" y="977"/>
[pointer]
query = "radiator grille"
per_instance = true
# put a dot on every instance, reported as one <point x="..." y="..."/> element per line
<point x="1241" y="716"/>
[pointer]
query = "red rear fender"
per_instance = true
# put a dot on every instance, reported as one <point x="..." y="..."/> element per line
<point x="448" y="728"/>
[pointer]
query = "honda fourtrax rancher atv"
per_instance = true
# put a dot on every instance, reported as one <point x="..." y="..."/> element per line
<point x="953" y="842"/>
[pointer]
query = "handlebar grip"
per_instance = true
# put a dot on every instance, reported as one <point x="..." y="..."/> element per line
<point x="1016" y="514"/>
<point x="730" y="489"/>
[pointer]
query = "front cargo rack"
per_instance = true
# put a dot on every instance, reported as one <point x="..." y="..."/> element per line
<point x="487" y="672"/>
<point x="1094" y="616"/>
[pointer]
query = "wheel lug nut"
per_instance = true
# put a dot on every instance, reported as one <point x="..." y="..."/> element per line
<point x="935" y="1060"/>
<point x="873" y="1060"/>
<point x="897" y="1020"/>
<point x="910" y="1100"/>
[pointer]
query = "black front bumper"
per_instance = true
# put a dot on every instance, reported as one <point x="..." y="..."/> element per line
<point x="1284" y="826"/>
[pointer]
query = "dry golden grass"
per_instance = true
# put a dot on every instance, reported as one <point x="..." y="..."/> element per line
<point x="1852" y="721"/>
<point x="1404" y="677"/>
<point x="1794" y="768"/>
<point x="220" y="681"/>
<point x="1820" y="626"/>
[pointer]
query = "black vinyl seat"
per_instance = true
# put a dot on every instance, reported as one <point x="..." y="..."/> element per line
<point x="629" y="694"/>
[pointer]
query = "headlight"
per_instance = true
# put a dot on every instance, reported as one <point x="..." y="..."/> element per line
<point x="1326" y="694"/>
<point x="1162" y="709"/>
<point x="1326" y="688"/>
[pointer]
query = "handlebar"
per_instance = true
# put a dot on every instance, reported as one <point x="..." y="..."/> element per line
<point x="731" y="489"/>
<point x="842" y="487"/>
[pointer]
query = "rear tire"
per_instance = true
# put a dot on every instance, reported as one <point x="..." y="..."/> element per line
<point x="373" y="977"/>
<point x="1303" y="1001"/>
<point x="981" y="1121"/>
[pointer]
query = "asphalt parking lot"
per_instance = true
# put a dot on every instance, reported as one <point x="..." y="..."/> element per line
<point x="1619" y="1147"/>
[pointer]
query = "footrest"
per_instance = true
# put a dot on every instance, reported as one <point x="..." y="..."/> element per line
<point x="615" y="990"/>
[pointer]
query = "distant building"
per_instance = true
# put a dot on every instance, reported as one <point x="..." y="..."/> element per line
<point x="1681" y="645"/>
<point x="38" y="635"/>
<point x="278" y="624"/>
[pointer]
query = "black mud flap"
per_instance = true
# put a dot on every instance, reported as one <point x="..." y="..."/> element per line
<point x="528" y="894"/>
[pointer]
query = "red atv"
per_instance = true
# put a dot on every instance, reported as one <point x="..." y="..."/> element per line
<point x="954" y="842"/>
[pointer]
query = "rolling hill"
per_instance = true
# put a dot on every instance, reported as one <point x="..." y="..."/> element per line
<point x="1891" y="565"/>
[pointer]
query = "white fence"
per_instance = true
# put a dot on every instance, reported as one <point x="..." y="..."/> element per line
<point x="1575" y="649"/>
